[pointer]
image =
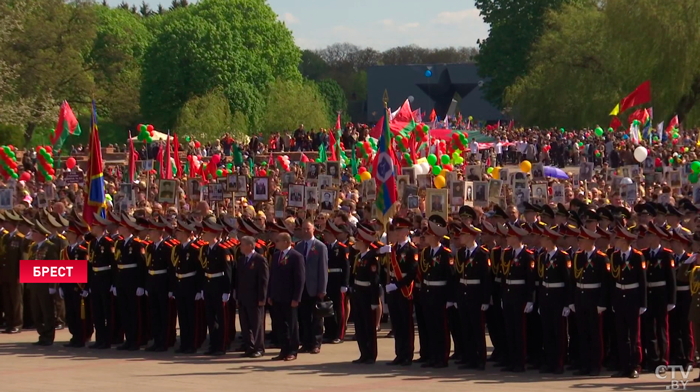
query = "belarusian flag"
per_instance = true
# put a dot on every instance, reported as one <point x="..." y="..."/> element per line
<point x="67" y="125"/>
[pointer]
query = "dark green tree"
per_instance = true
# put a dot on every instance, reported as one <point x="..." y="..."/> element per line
<point x="335" y="100"/>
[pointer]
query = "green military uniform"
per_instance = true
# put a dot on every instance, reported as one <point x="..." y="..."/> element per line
<point x="16" y="247"/>
<point x="43" y="309"/>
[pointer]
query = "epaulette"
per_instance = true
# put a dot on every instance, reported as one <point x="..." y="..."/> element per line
<point x="600" y="253"/>
<point x="108" y="238"/>
<point x="261" y="242"/>
<point x="644" y="250"/>
<point x="20" y="235"/>
<point x="174" y="241"/>
<point x="485" y="249"/>
<point x="234" y="241"/>
<point x="201" y="242"/>
<point x="447" y="249"/>
<point x="667" y="250"/>
<point x="564" y="252"/>
<point x="223" y="245"/>
<point x="446" y="237"/>
<point x="61" y="236"/>
<point x="342" y="245"/>
<point x="685" y="230"/>
<point x="636" y="251"/>
<point x="531" y="252"/>
<point x="82" y="247"/>
<point x="195" y="245"/>
<point x="579" y="251"/>
<point x="379" y="243"/>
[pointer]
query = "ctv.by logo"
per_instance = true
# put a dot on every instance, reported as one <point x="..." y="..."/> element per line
<point x="678" y="375"/>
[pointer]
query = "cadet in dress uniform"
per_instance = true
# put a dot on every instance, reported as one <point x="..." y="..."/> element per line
<point x="436" y="265"/>
<point x="518" y="291"/>
<point x="694" y="282"/>
<point x="117" y="329"/>
<point x="674" y="220"/>
<point x="160" y="256"/>
<point x="16" y="247"/>
<point x="187" y="290"/>
<point x="589" y="301"/>
<point x="402" y="274"/>
<point x="75" y="295"/>
<point x="661" y="297"/>
<point x="553" y="268"/>
<point x="473" y="295"/>
<point x="494" y="315"/>
<point x="338" y="282"/>
<point x="629" y="301"/>
<point x="217" y="265"/>
<point x="456" y="330"/>
<point x="365" y="297"/>
<point x="680" y="329"/>
<point x="101" y="280"/>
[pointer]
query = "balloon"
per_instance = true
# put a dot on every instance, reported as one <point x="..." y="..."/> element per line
<point x="219" y="173"/>
<point x="610" y="130"/>
<point x="426" y="128"/>
<point x="70" y="163"/>
<point x="358" y="178"/>
<point x="48" y="149"/>
<point x="693" y="178"/>
<point x="626" y="181"/>
<point x="640" y="154"/>
<point x="496" y="174"/>
<point x="675" y="135"/>
<point x="263" y="173"/>
<point x="432" y="159"/>
<point x="26" y="176"/>
<point x="599" y="131"/>
<point x="436" y="170"/>
<point x="362" y="170"/>
<point x="365" y="176"/>
<point x="143" y="128"/>
<point x="187" y="139"/>
<point x="428" y="73"/>
<point x="439" y="182"/>
<point x="489" y="170"/>
<point x="197" y="144"/>
<point x="624" y="137"/>
<point x="525" y="166"/>
<point x="421" y="160"/>
<point x="445" y="159"/>
<point x="150" y="128"/>
<point x="695" y="166"/>
<point x="426" y="167"/>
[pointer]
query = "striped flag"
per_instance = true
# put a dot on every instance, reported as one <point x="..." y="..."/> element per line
<point x="95" y="195"/>
<point x="384" y="172"/>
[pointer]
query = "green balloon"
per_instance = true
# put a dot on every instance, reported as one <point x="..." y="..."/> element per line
<point x="561" y="130"/>
<point x="599" y="131"/>
<point x="489" y="170"/>
<point x="187" y="139"/>
<point x="358" y="178"/>
<point x="229" y="165"/>
<point x="407" y="157"/>
<point x="610" y="130"/>
<point x="693" y="178"/>
<point x="398" y="138"/>
<point x="143" y="129"/>
<point x="219" y="172"/>
<point x="426" y="128"/>
<point x="445" y="159"/>
<point x="432" y="159"/>
<point x="436" y="170"/>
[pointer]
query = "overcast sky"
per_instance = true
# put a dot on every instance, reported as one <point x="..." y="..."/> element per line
<point x="377" y="24"/>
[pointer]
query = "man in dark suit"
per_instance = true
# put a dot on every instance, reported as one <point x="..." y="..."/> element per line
<point x="315" y="255"/>
<point x="284" y="293"/>
<point x="250" y="288"/>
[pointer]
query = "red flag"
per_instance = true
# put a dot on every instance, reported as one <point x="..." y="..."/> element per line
<point x="637" y="115"/>
<point x="432" y="115"/>
<point x="672" y="124"/>
<point x="498" y="125"/>
<point x="168" y="165"/>
<point x="159" y="158"/>
<point x="376" y="131"/>
<point x="332" y="141"/>
<point x="176" y="150"/>
<point x="640" y="95"/>
<point x="615" y="123"/>
<point x="132" y="161"/>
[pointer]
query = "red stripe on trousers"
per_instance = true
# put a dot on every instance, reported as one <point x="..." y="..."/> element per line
<point x="639" y="337"/>
<point x="341" y="319"/>
<point x="692" y="343"/>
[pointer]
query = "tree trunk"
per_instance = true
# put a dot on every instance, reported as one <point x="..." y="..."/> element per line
<point x="687" y="101"/>
<point x="29" y="132"/>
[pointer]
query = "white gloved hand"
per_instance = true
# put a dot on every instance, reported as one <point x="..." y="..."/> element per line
<point x="385" y="249"/>
<point x="113" y="290"/>
<point x="84" y="293"/>
<point x="572" y="307"/>
<point x="501" y="304"/>
<point x="201" y="295"/>
<point x="343" y="289"/>
<point x="146" y="292"/>
<point x="170" y="294"/>
<point x="528" y="307"/>
<point x="484" y="307"/>
<point x="140" y="291"/>
<point x="601" y="309"/>
<point x="566" y="312"/>
<point x="669" y="307"/>
<point x="198" y="296"/>
<point x="375" y="307"/>
<point x="390" y="287"/>
<point x="225" y="297"/>
<point x="642" y="310"/>
<point x="449" y="305"/>
<point x="60" y="292"/>
<point x="52" y="291"/>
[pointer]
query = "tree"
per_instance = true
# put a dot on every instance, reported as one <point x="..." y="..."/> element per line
<point x="161" y="9"/>
<point x="145" y="10"/>
<point x="312" y="66"/>
<point x="123" y="5"/>
<point x="12" y="109"/>
<point x="335" y="100"/>
<point x="290" y="103"/>
<point x="236" y="44"/>
<point x="515" y="27"/>
<point x="206" y="117"/>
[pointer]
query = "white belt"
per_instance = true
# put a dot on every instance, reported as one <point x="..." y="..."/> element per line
<point x="126" y="266"/>
<point x="335" y="270"/>
<point x="515" y="282"/>
<point x="589" y="285"/>
<point x="656" y="284"/>
<point x="435" y="283"/>
<point x="627" y="286"/>
<point x="467" y="282"/>
<point x="157" y="272"/>
<point x="497" y="280"/>
<point x="216" y="275"/>
<point x="187" y="275"/>
<point x="100" y="269"/>
<point x="682" y="288"/>
<point x="553" y="285"/>
<point x="417" y="284"/>
<point x="362" y="283"/>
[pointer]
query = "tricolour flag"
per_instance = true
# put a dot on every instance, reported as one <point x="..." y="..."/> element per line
<point x="67" y="125"/>
<point x="384" y="173"/>
<point x="673" y="124"/>
<point x="95" y="195"/>
<point x="132" y="162"/>
<point x="168" y="175"/>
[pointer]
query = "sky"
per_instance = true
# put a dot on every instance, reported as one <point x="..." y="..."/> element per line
<point x="380" y="24"/>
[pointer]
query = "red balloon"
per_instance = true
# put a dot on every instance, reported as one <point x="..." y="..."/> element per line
<point x="448" y="167"/>
<point x="150" y="133"/>
<point x="658" y="162"/>
<point x="11" y="147"/>
<point x="263" y="173"/>
<point x="48" y="149"/>
<point x="362" y="170"/>
<point x="26" y="176"/>
<point x="70" y="163"/>
<point x="224" y="172"/>
<point x="150" y="129"/>
<point x="197" y="144"/>
<point x="455" y="136"/>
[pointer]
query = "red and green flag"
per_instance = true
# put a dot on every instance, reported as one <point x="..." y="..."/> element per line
<point x="67" y="125"/>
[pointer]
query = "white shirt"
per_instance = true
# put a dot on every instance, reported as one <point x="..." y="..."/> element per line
<point x="433" y="251"/>
<point x="655" y="251"/>
<point x="474" y="147"/>
<point x="590" y="254"/>
<point x="626" y="254"/>
<point x="404" y="242"/>
<point x="471" y="250"/>
<point x="517" y="251"/>
<point x="552" y="253"/>
<point x="248" y="256"/>
<point x="284" y="252"/>
<point x="126" y="241"/>
<point x="499" y="148"/>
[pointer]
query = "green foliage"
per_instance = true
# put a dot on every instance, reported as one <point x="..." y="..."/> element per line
<point x="206" y="117"/>
<point x="235" y="44"/>
<point x="335" y="100"/>
<point x="291" y="103"/>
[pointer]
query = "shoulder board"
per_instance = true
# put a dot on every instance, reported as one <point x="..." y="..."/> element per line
<point x="496" y="248"/>
<point x="448" y="250"/>
<point x="668" y="250"/>
<point x="579" y="251"/>
<point x="61" y="236"/>
<point x="223" y="245"/>
<point x="174" y="241"/>
<point x="82" y="247"/>
<point x="234" y="241"/>
<point x="20" y="235"/>
<point x="136" y="239"/>
<point x="685" y="230"/>
<point x="645" y="250"/>
<point x="261" y="242"/>
<point x="380" y="244"/>
<point x="508" y="248"/>
<point x="202" y="243"/>
<point x="600" y="253"/>
<point x="564" y="252"/>
<point x="351" y="243"/>
<point x="485" y="249"/>
<point x="342" y="245"/>
<point x="194" y="245"/>
<point x="108" y="238"/>
<point x="636" y="251"/>
<point x="531" y="252"/>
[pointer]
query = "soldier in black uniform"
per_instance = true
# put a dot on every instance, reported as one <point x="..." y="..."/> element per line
<point x="517" y="291"/>
<point x="629" y="301"/>
<point x="402" y="274"/>
<point x="473" y="295"/>
<point x="117" y="324"/>
<point x="16" y="247"/>
<point x="553" y="269"/>
<point x="187" y="287"/>
<point x="76" y="295"/>
<point x="216" y="262"/>
<point x="338" y="282"/>
<point x="681" y="338"/>
<point x="436" y="265"/>
<point x="365" y="271"/>
<point x="160" y="255"/>
<point x="589" y="301"/>
<point x="130" y="279"/>
<point x="494" y="314"/>
<point x="661" y="297"/>
<point x="101" y="280"/>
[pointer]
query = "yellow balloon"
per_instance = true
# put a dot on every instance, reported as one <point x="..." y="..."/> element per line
<point x="365" y="176"/>
<point x="525" y="166"/>
<point x="421" y="160"/>
<point x="443" y="172"/>
<point x="496" y="173"/>
<point x="439" y="182"/>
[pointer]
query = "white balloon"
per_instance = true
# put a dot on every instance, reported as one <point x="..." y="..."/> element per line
<point x="626" y="181"/>
<point x="418" y="169"/>
<point x="640" y="154"/>
<point x="426" y="167"/>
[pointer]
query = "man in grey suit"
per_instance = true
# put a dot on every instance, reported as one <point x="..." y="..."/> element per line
<point x="315" y="255"/>
<point x="250" y="287"/>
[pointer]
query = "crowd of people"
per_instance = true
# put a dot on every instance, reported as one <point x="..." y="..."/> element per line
<point x="597" y="281"/>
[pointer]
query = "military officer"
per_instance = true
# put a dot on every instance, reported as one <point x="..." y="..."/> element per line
<point x="160" y="256"/>
<point x="16" y="246"/>
<point x="101" y="280"/>
<point x="187" y="287"/>
<point x="75" y="295"/>
<point x="517" y="291"/>
<point x="681" y="338"/>
<point x="365" y="299"/>
<point x="338" y="282"/>
<point x="674" y="220"/>
<point x="115" y="222"/>
<point x="43" y="311"/>
<point x="693" y="263"/>
<point x="490" y="236"/>
<point x="629" y="301"/>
